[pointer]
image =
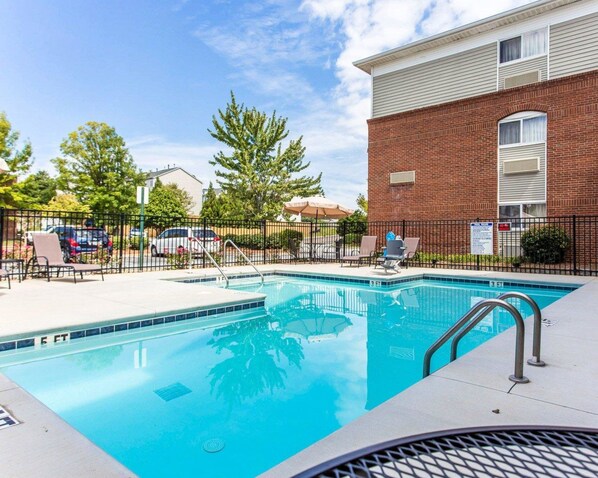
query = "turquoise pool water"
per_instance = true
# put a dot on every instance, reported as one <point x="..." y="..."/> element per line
<point x="263" y="385"/>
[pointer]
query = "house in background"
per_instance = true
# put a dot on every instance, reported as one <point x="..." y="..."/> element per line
<point x="183" y="180"/>
<point x="498" y="117"/>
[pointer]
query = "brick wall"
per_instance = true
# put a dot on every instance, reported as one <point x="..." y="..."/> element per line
<point x="453" y="149"/>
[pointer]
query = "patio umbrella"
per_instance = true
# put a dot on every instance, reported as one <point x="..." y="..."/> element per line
<point x="317" y="206"/>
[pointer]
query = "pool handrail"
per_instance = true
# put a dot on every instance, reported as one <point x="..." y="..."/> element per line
<point x="230" y="241"/>
<point x="212" y="260"/>
<point x="475" y="316"/>
<point x="535" y="360"/>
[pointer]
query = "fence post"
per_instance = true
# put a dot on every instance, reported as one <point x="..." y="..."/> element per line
<point x="121" y="240"/>
<point x="574" y="244"/>
<point x="344" y="240"/>
<point x="403" y="229"/>
<point x="311" y="242"/>
<point x="1" y="231"/>
<point x="264" y="239"/>
<point x="203" y="256"/>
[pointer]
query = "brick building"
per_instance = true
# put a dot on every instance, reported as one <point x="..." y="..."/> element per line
<point x="496" y="118"/>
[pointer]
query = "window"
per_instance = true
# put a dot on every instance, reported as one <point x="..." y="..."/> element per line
<point x="521" y="215"/>
<point x="523" y="130"/>
<point x="529" y="44"/>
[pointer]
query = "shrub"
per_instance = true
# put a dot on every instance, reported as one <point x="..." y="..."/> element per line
<point x="250" y="241"/>
<point x="273" y="241"/>
<point x="356" y="223"/>
<point x="134" y="243"/>
<point x="430" y="256"/>
<point x="545" y="245"/>
<point x="353" y="239"/>
<point x="178" y="260"/>
<point x="290" y="237"/>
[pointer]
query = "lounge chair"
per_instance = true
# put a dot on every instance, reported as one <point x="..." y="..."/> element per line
<point x="48" y="255"/>
<point x="4" y="273"/>
<point x="411" y="246"/>
<point x="395" y="253"/>
<point x="366" y="251"/>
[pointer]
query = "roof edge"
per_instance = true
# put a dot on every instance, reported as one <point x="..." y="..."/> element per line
<point x="462" y="32"/>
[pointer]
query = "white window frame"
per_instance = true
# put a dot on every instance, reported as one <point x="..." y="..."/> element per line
<point x="523" y="58"/>
<point x="520" y="117"/>
<point x="515" y="224"/>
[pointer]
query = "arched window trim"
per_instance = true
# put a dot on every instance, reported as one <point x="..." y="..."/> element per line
<point x="524" y="127"/>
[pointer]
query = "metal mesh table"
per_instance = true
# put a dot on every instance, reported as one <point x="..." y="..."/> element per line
<point x="480" y="452"/>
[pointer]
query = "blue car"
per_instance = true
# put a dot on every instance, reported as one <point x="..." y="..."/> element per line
<point x="77" y="240"/>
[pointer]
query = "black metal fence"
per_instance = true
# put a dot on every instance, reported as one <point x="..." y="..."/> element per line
<point x="561" y="245"/>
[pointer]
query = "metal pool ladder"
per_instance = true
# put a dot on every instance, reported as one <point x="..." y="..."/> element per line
<point x="466" y="323"/>
<point x="212" y="260"/>
<point x="230" y="241"/>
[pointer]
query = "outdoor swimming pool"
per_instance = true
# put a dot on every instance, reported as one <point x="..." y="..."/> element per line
<point x="239" y="396"/>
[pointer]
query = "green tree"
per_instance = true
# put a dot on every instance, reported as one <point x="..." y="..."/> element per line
<point x="356" y="223"/>
<point x="67" y="203"/>
<point x="211" y="206"/>
<point x="40" y="188"/>
<point x="98" y="169"/>
<point x="258" y="173"/>
<point x="168" y="204"/>
<point x="18" y="161"/>
<point x="221" y="206"/>
<point x="362" y="203"/>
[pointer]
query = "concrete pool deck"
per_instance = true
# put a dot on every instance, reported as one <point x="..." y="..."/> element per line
<point x="462" y="394"/>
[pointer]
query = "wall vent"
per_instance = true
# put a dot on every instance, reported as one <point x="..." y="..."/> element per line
<point x="524" y="165"/>
<point x="522" y="79"/>
<point x="403" y="177"/>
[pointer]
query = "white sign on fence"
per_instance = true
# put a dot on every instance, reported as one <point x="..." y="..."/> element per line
<point x="482" y="238"/>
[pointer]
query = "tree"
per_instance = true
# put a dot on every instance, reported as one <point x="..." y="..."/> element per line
<point x="167" y="205"/>
<point x="258" y="173"/>
<point x="39" y="188"/>
<point x="18" y="162"/>
<point x="221" y="206"/>
<point x="67" y="203"/>
<point x="98" y="169"/>
<point x="211" y="206"/>
<point x="362" y="203"/>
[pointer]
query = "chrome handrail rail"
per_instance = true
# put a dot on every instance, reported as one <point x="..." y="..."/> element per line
<point x="230" y="241"/>
<point x="206" y="253"/>
<point x="535" y="360"/>
<point x="475" y="316"/>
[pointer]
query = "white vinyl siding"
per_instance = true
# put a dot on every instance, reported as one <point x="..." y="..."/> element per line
<point x="574" y="46"/>
<point x="523" y="187"/>
<point x="462" y="75"/>
<point x="539" y="63"/>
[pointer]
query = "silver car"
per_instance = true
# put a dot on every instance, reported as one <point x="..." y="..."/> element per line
<point x="185" y="239"/>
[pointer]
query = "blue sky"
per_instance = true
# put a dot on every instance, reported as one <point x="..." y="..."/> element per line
<point x="158" y="70"/>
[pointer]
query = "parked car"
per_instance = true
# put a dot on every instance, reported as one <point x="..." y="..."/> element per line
<point x="185" y="239"/>
<point x="76" y="240"/>
<point x="136" y="232"/>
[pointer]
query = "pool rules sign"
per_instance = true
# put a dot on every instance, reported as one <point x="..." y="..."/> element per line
<point x="482" y="238"/>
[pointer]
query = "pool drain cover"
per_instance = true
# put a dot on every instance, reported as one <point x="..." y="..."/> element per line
<point x="213" y="445"/>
